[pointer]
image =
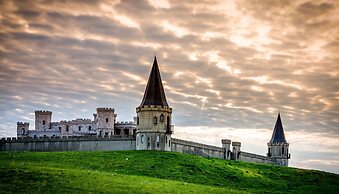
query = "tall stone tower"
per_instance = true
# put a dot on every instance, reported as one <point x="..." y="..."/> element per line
<point x="154" y="116"/>
<point x="105" y="121"/>
<point x="278" y="146"/>
<point x="43" y="120"/>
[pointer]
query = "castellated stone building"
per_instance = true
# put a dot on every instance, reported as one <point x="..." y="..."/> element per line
<point x="152" y="129"/>
<point x="103" y="124"/>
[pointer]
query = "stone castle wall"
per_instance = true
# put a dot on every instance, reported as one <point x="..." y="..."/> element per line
<point x="47" y="144"/>
<point x="110" y="143"/>
<point x="250" y="157"/>
<point x="189" y="147"/>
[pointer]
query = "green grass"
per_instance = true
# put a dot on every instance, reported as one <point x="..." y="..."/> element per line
<point x="151" y="172"/>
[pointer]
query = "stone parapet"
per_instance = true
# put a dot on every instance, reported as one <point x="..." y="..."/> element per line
<point x="196" y="145"/>
<point x="154" y="108"/>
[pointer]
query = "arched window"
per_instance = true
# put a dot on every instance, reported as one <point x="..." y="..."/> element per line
<point x="162" y="118"/>
<point x="282" y="150"/>
<point x="23" y="131"/>
<point x="89" y="128"/>
<point x="106" y="120"/>
<point x="155" y="120"/>
<point x="43" y="122"/>
<point x="79" y="128"/>
<point x="67" y="128"/>
<point x="142" y="139"/>
<point x="158" y="141"/>
<point x="148" y="142"/>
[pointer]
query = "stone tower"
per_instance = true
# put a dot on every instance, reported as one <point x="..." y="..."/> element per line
<point x="22" y="129"/>
<point x="106" y="120"/>
<point x="154" y="116"/>
<point x="43" y="120"/>
<point x="278" y="146"/>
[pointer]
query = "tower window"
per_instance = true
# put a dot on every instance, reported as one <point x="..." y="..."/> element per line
<point x="148" y="142"/>
<point x="155" y="120"/>
<point x="106" y="120"/>
<point x="137" y="120"/>
<point x="59" y="128"/>
<point x="282" y="150"/>
<point x="79" y="128"/>
<point x="23" y="131"/>
<point x="89" y="128"/>
<point x="162" y="118"/>
<point x="142" y="139"/>
<point x="158" y="141"/>
<point x="43" y="122"/>
<point x="67" y="128"/>
<point x="169" y="143"/>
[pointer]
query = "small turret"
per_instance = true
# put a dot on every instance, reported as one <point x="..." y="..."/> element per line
<point x="43" y="120"/>
<point x="236" y="150"/>
<point x="278" y="146"/>
<point x="226" y="144"/>
<point x="154" y="115"/>
<point x="22" y="129"/>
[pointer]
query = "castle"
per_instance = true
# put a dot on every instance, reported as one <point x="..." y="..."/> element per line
<point x="150" y="130"/>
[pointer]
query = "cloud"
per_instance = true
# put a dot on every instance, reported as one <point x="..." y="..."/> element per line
<point x="225" y="64"/>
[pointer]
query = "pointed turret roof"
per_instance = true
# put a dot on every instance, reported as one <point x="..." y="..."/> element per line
<point x="154" y="93"/>
<point x="278" y="135"/>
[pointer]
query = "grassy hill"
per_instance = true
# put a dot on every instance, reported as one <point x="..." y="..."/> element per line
<point x="151" y="172"/>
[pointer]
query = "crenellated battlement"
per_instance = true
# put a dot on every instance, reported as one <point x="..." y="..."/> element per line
<point x="105" y="109"/>
<point x="277" y="144"/>
<point x="64" y="138"/>
<point x="22" y="123"/>
<point x="236" y="143"/>
<point x="124" y="122"/>
<point x="43" y="112"/>
<point x="226" y="141"/>
<point x="154" y="108"/>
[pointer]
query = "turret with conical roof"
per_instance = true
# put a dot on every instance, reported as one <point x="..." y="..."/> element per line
<point x="154" y="93"/>
<point x="154" y="115"/>
<point x="278" y="135"/>
<point x="278" y="146"/>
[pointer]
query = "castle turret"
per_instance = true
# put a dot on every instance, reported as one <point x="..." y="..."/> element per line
<point x="22" y="129"/>
<point x="236" y="150"/>
<point x="106" y="120"/>
<point x="43" y="120"/>
<point x="226" y="144"/>
<point x="278" y="146"/>
<point x="154" y="115"/>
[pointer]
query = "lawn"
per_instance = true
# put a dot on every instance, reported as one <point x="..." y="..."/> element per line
<point x="151" y="172"/>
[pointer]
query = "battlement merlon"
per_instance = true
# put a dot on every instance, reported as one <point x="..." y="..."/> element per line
<point x="236" y="143"/>
<point x="22" y="124"/>
<point x="43" y="112"/>
<point x="105" y="109"/>
<point x="226" y="141"/>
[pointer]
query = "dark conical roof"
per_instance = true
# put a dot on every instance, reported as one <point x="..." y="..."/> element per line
<point x="278" y="135"/>
<point x="154" y="93"/>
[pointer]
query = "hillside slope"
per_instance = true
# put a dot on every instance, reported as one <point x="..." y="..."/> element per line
<point x="151" y="171"/>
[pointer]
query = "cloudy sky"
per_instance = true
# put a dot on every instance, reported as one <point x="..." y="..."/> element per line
<point x="228" y="67"/>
